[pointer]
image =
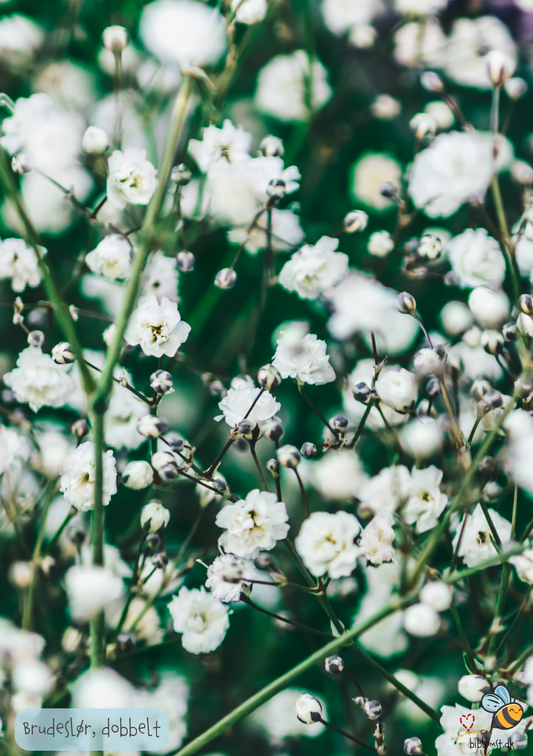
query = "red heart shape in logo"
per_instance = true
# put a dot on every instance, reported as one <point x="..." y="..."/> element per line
<point x="467" y="720"/>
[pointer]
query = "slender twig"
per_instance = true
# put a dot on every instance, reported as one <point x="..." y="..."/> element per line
<point x="346" y="735"/>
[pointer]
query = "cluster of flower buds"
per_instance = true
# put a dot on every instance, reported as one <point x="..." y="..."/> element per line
<point x="166" y="464"/>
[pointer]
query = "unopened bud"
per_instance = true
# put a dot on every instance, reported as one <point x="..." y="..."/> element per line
<point x="61" y="354"/>
<point x="406" y="303"/>
<point x="362" y="392"/>
<point x="492" y="342"/>
<point x="226" y="278"/>
<point x="273" y="467"/>
<point x="180" y="175"/>
<point x="273" y="430"/>
<point x="412" y="746"/>
<point x="500" y="67"/>
<point x="433" y="387"/>
<point x="153" y="541"/>
<point x="423" y="125"/>
<point x="161" y="382"/>
<point x="276" y="189"/>
<point x="526" y="304"/>
<point x="493" y="399"/>
<point x="431" y="82"/>
<point x="430" y="246"/>
<point x="522" y="172"/>
<point x="264" y="561"/>
<point x="175" y="442"/>
<point x="487" y="465"/>
<point x="80" y="428"/>
<point x="389" y="190"/>
<point x="165" y="464"/>
<point x="244" y="428"/>
<point x="339" y="422"/>
<point x="95" y="141"/>
<point x="185" y="261"/>
<point x="373" y="709"/>
<point x="515" y="87"/>
<point x="289" y="456"/>
<point x="308" y="450"/>
<point x="510" y="331"/>
<point x="36" y="338"/>
<point x="21" y="164"/>
<point x="160" y="560"/>
<point x="115" y="38"/>
<point x="268" y="377"/>
<point x="334" y="665"/>
<point x="271" y="146"/>
<point x="152" y="427"/>
<point x="355" y="221"/>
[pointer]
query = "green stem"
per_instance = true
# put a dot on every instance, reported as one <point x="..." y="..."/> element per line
<point x="506" y="239"/>
<point x="97" y="539"/>
<point x="27" y="619"/>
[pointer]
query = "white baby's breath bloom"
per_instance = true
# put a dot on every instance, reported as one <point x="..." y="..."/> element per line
<point x="281" y="86"/>
<point x="228" y="143"/>
<point x="473" y="687"/>
<point x="489" y="308"/>
<point x="32" y="676"/>
<point x="453" y="741"/>
<point x="102" y="688"/>
<point x="157" y="327"/>
<point x="376" y="540"/>
<point x="326" y="543"/>
<point x="249" y="11"/>
<point x="286" y="232"/>
<point x="90" y="589"/>
<point x="122" y="417"/>
<point x="308" y="709"/>
<point x="38" y="381"/>
<point x="398" y="389"/>
<point x="95" y="141"/>
<point x="183" y="31"/>
<point x="476" y="259"/>
<point x="314" y="268"/>
<point x="477" y="541"/>
<point x="421" y="438"/>
<point x="523" y="563"/>
<point x="78" y="477"/>
<point x="441" y="113"/>
<point x="437" y="594"/>
<point x="160" y="277"/>
<point x="428" y="361"/>
<point x="111" y="258"/>
<point x="252" y="524"/>
<point x="383" y="493"/>
<point x="201" y="618"/>
<point x="132" y="178"/>
<point x="454" y="169"/>
<point x="456" y="317"/>
<point x="20" y="37"/>
<point x="380" y="243"/>
<point x="137" y="475"/>
<point x="339" y="475"/>
<point x="19" y="263"/>
<point x="238" y="401"/>
<point x="421" y="620"/>
<point x="154" y="516"/>
<point x="277" y="718"/>
<point x="307" y="360"/>
<point x="425" y="502"/>
<point x="341" y="15"/>
<point x="385" y="107"/>
<point x="370" y="173"/>
<point x="226" y="577"/>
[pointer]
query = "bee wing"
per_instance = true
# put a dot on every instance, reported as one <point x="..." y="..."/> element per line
<point x="503" y="693"/>
<point x="491" y="702"/>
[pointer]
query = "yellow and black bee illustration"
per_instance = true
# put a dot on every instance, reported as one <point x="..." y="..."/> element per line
<point x="505" y="713"/>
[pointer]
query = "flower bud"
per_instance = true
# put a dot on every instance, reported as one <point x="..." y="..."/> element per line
<point x="412" y="746"/>
<point x="308" y="709"/>
<point x="510" y="331"/>
<point x="165" y="463"/>
<point x="492" y="342"/>
<point x="137" y="475"/>
<point x="524" y="324"/>
<point x="80" y="428"/>
<point x="269" y="377"/>
<point x="430" y="246"/>
<point x="152" y="427"/>
<point x="174" y="442"/>
<point x="61" y="354"/>
<point x="160" y="560"/>
<point x="423" y="125"/>
<point x="431" y="82"/>
<point x="273" y="430"/>
<point x="161" y="382"/>
<point x="487" y="465"/>
<point x="406" y="303"/>
<point x="154" y="516"/>
<point x="362" y="392"/>
<point x="373" y="709"/>
<point x="271" y="146"/>
<point x="334" y="665"/>
<point x="264" y="561"/>
<point x="515" y="87"/>
<point x="276" y="189"/>
<point x="21" y="164"/>
<point x="21" y="574"/>
<point x="355" y="221"/>
<point x="226" y="278"/>
<point x="519" y="740"/>
<point x="115" y="38"/>
<point x="95" y="141"/>
<point x="153" y="541"/>
<point x="244" y="428"/>
<point x="526" y="304"/>
<point x="389" y="190"/>
<point x="339" y="422"/>
<point x="473" y="687"/>
<point x="500" y="67"/>
<point x="180" y="175"/>
<point x="273" y="467"/>
<point x="493" y="399"/>
<point x="437" y="595"/>
<point x="421" y="620"/>
<point x="309" y="450"/>
<point x="289" y="456"/>
<point x="433" y="387"/>
<point x="185" y="261"/>
<point x="36" y="338"/>
<point x="522" y="172"/>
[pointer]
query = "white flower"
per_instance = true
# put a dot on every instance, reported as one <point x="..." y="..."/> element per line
<point x="454" y="169"/>
<point x="376" y="540"/>
<point x="132" y="178"/>
<point x="473" y="687"/>
<point x="456" y="317"/>
<point x="38" y="380"/>
<point x="326" y="543"/>
<point x="454" y="741"/>
<point x="476" y="259"/>
<point x="437" y="594"/>
<point x="523" y="563"/>
<point x="380" y="243"/>
<point x="122" y="417"/>
<point x="398" y="389"/>
<point x="111" y="258"/>
<point x="425" y="502"/>
<point x="182" y="31"/>
<point x="90" y="589"/>
<point x="305" y="360"/>
<point x="137" y="475"/>
<point x="32" y="676"/>
<point x="421" y="620"/>
<point x="281" y="86"/>
<point x="419" y="7"/>
<point x="78" y="477"/>
<point x="383" y="493"/>
<point x="386" y="107"/>
<point x="308" y="709"/>
<point x="370" y="173"/>
<point x="226" y="577"/>
<point x="229" y="143"/>
<point x="252" y="524"/>
<point x="286" y="233"/>
<point x="238" y="401"/>
<point x="95" y="141"/>
<point x="476" y="543"/>
<point x="19" y="38"/>
<point x="276" y="718"/>
<point x="157" y="327"/>
<point x="19" y="263"/>
<point x="428" y="361"/>
<point x="490" y="308"/>
<point x="201" y="618"/>
<point x="313" y="269"/>
<point x="339" y="475"/>
<point x="160" y="277"/>
<point x="421" y="438"/>
<point x="340" y="15"/>
<point x="102" y="688"/>
<point x="441" y="113"/>
<point x="249" y="11"/>
<point x="154" y="516"/>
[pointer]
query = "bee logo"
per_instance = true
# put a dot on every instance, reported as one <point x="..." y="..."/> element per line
<point x="505" y="713"/>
